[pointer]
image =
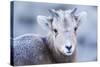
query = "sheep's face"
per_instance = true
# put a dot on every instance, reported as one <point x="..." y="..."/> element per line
<point x="62" y="26"/>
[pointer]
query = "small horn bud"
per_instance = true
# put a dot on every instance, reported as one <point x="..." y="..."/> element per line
<point x="53" y="12"/>
<point x="73" y="10"/>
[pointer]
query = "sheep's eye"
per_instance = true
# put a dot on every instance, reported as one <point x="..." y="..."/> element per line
<point x="75" y="28"/>
<point x="51" y="20"/>
<point x="55" y="30"/>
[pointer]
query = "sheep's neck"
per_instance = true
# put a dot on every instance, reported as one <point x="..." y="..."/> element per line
<point x="57" y="56"/>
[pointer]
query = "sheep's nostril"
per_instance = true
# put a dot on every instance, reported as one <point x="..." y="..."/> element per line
<point x="68" y="47"/>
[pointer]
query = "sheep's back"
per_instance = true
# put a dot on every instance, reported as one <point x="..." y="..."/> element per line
<point x="30" y="49"/>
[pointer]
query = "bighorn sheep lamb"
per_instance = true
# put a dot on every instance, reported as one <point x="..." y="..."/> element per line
<point x="59" y="46"/>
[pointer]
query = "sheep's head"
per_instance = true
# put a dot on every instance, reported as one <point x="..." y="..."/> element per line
<point x="62" y="26"/>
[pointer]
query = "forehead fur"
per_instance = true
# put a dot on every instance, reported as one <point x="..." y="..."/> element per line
<point x="65" y="19"/>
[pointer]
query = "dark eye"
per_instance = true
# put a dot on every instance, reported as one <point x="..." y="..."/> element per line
<point x="55" y="30"/>
<point x="51" y="20"/>
<point x="75" y="28"/>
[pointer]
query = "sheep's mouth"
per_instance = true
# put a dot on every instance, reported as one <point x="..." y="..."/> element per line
<point x="69" y="52"/>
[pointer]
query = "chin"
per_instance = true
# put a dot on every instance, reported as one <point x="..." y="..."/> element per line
<point x="69" y="54"/>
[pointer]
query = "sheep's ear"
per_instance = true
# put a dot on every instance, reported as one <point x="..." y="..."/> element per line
<point x="44" y="21"/>
<point x="80" y="17"/>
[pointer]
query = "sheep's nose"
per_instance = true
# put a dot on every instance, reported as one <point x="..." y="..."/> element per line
<point x="69" y="47"/>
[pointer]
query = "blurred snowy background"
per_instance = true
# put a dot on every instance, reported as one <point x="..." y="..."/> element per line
<point x="25" y="14"/>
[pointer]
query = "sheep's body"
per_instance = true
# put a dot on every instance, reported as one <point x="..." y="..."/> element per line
<point x="30" y="49"/>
